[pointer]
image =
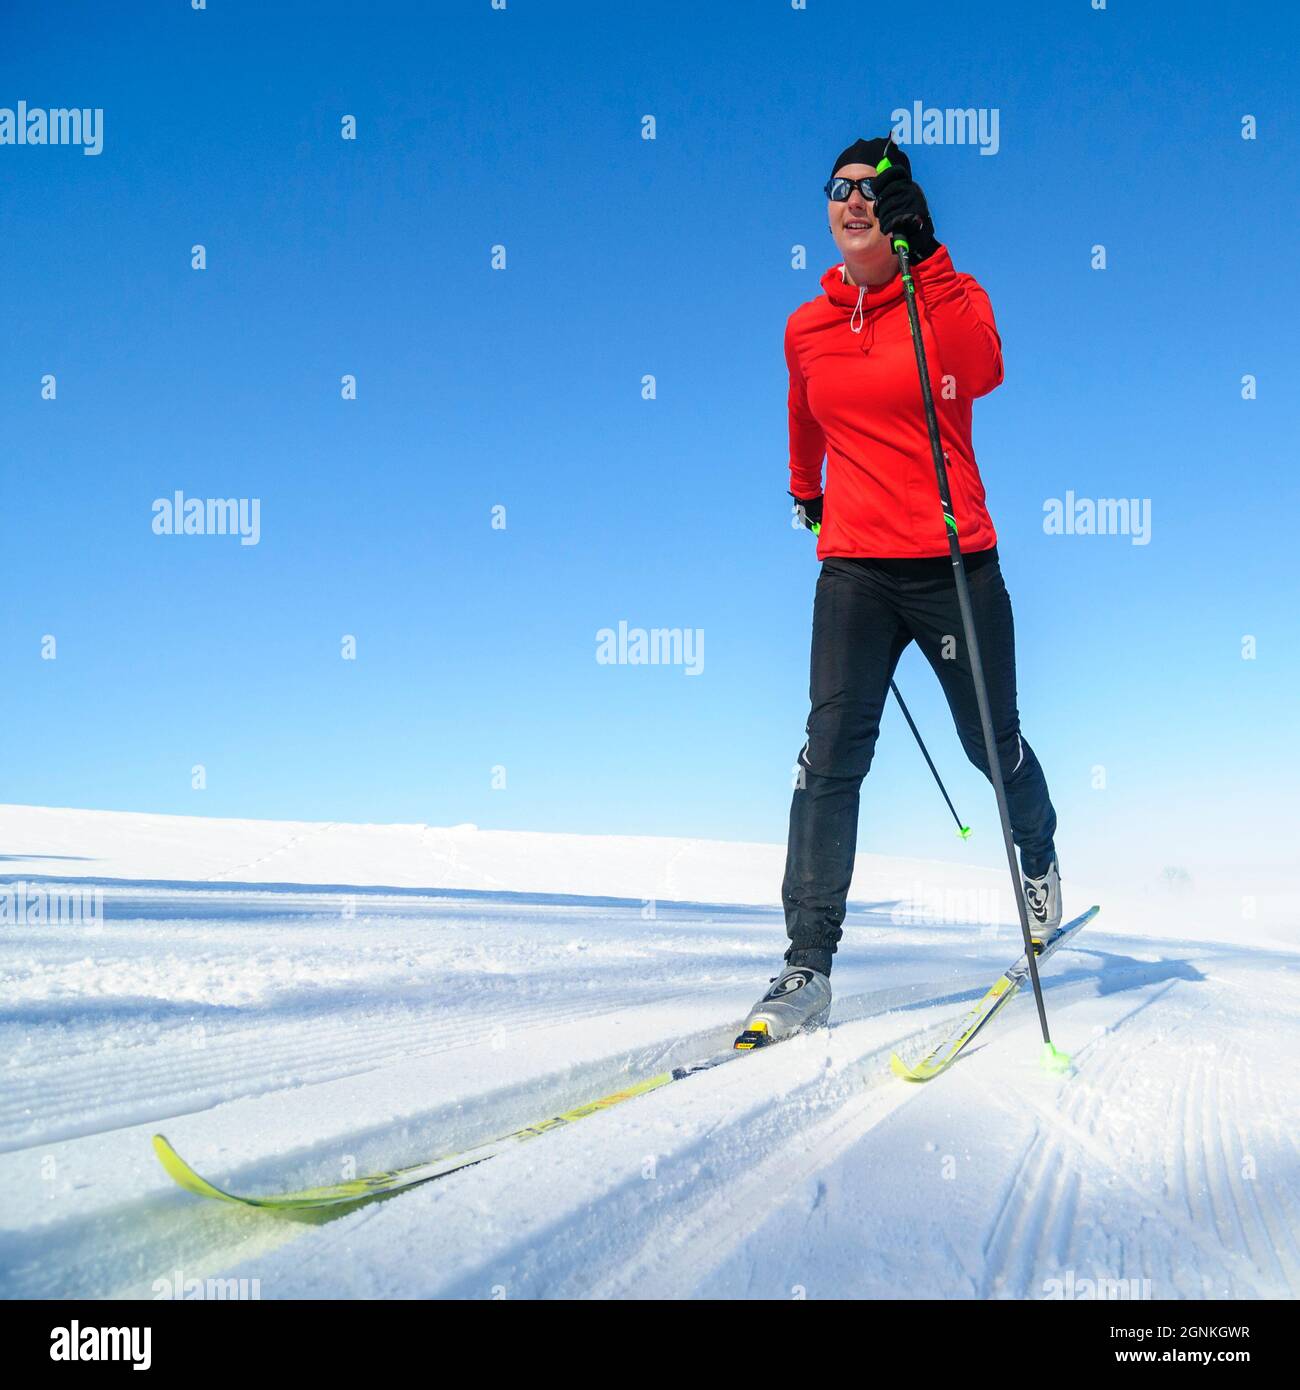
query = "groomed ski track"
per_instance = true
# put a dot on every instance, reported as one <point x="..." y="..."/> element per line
<point x="278" y="1035"/>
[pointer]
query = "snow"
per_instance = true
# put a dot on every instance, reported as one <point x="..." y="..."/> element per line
<point x="293" y="1003"/>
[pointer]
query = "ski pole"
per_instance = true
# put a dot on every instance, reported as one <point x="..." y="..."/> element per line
<point x="1050" y="1055"/>
<point x="962" y="830"/>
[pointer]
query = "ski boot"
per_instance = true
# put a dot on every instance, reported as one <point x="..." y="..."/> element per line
<point x="798" y="1001"/>
<point x="1043" y="898"/>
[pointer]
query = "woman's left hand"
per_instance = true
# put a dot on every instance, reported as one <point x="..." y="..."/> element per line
<point x="901" y="210"/>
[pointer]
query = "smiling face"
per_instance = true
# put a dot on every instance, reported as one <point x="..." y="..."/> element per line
<point x="866" y="250"/>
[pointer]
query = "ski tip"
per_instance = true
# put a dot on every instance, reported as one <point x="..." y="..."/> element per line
<point x="167" y="1156"/>
<point x="183" y="1175"/>
<point x="964" y="831"/>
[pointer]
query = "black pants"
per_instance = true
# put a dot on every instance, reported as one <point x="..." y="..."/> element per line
<point x="866" y="613"/>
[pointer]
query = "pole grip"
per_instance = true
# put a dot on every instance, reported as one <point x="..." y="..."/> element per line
<point x="897" y="241"/>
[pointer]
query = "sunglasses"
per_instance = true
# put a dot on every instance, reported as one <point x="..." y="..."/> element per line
<point x="839" y="190"/>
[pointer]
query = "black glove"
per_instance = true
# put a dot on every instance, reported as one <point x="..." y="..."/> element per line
<point x="810" y="511"/>
<point x="901" y="210"/>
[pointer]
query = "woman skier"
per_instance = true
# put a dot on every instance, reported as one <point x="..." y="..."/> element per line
<point x="886" y="578"/>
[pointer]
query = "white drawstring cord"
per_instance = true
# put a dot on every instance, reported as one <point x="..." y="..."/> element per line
<point x="856" y="321"/>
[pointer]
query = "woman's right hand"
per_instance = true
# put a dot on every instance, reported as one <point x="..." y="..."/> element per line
<point x="809" y="511"/>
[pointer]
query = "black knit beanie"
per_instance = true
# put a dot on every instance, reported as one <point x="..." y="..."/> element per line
<point x="872" y="152"/>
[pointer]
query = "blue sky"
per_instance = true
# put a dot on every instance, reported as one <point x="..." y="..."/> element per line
<point x="521" y="388"/>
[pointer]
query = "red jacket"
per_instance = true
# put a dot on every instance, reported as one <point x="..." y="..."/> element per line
<point x="855" y="398"/>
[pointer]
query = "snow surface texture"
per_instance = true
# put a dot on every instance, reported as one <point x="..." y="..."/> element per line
<point x="292" y="1004"/>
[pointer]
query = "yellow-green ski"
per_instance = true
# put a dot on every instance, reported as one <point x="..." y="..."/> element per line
<point x="379" y="1184"/>
<point x="940" y="1057"/>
